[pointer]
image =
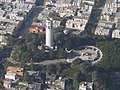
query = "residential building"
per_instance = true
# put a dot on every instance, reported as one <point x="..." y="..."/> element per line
<point x="34" y="86"/>
<point x="7" y="28"/>
<point x="116" y="33"/>
<point x="111" y="3"/>
<point x="2" y="13"/>
<point x="59" y="84"/>
<point x="77" y="23"/>
<point x="55" y="84"/>
<point x="104" y="28"/>
<point x="3" y="40"/>
<point x="5" y="1"/>
<point x="118" y="3"/>
<point x="58" y="3"/>
<point x="50" y="79"/>
<point x="102" y="31"/>
<point x="30" y="1"/>
<point x="86" y="86"/>
<point x="12" y="76"/>
<point x="15" y="70"/>
<point x="89" y="1"/>
<point x="8" y="83"/>
<point x="67" y="11"/>
<point x="83" y="13"/>
<point x="56" y="23"/>
<point x="117" y="18"/>
<point x="36" y="28"/>
<point x="13" y="15"/>
<point x="109" y="10"/>
<point x="18" y="1"/>
<point x="109" y="23"/>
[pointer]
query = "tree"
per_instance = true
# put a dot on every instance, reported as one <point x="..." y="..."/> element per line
<point x="100" y="80"/>
<point x="1" y="84"/>
<point x="25" y="57"/>
<point x="35" y="19"/>
<point x="26" y="76"/>
<point x="0" y="55"/>
<point x="69" y="84"/>
<point x="51" y="69"/>
<point x="61" y="53"/>
<point x="77" y="61"/>
<point x="16" y="53"/>
<point x="77" y="78"/>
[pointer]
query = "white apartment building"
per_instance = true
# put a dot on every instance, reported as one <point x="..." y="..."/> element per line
<point x="9" y="1"/>
<point x="12" y="76"/>
<point x="116" y="33"/>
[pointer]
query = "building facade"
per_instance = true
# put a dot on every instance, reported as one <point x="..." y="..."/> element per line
<point x="49" y="32"/>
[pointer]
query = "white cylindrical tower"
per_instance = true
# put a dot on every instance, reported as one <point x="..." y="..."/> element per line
<point x="49" y="32"/>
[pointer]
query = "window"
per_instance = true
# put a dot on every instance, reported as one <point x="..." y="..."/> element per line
<point x="49" y="27"/>
<point x="81" y="25"/>
<point x="73" y="25"/>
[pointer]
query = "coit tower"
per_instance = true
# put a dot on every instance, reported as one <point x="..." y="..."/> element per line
<point x="49" y="32"/>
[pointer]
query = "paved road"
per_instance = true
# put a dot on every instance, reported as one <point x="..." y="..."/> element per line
<point x="12" y="61"/>
<point x="47" y="62"/>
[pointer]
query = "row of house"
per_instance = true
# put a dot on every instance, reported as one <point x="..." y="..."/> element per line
<point x="12" y="79"/>
<point x="116" y="31"/>
<point x="63" y="3"/>
<point x="17" y="1"/>
<point x="77" y="13"/>
<point x="109" y="20"/>
<point x="82" y="16"/>
<point x="80" y="10"/>
<point x="12" y="76"/>
<point x="54" y="83"/>
<point x="12" y="16"/>
<point x="60" y="83"/>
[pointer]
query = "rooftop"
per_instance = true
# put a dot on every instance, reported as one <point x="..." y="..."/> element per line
<point x="16" y="70"/>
